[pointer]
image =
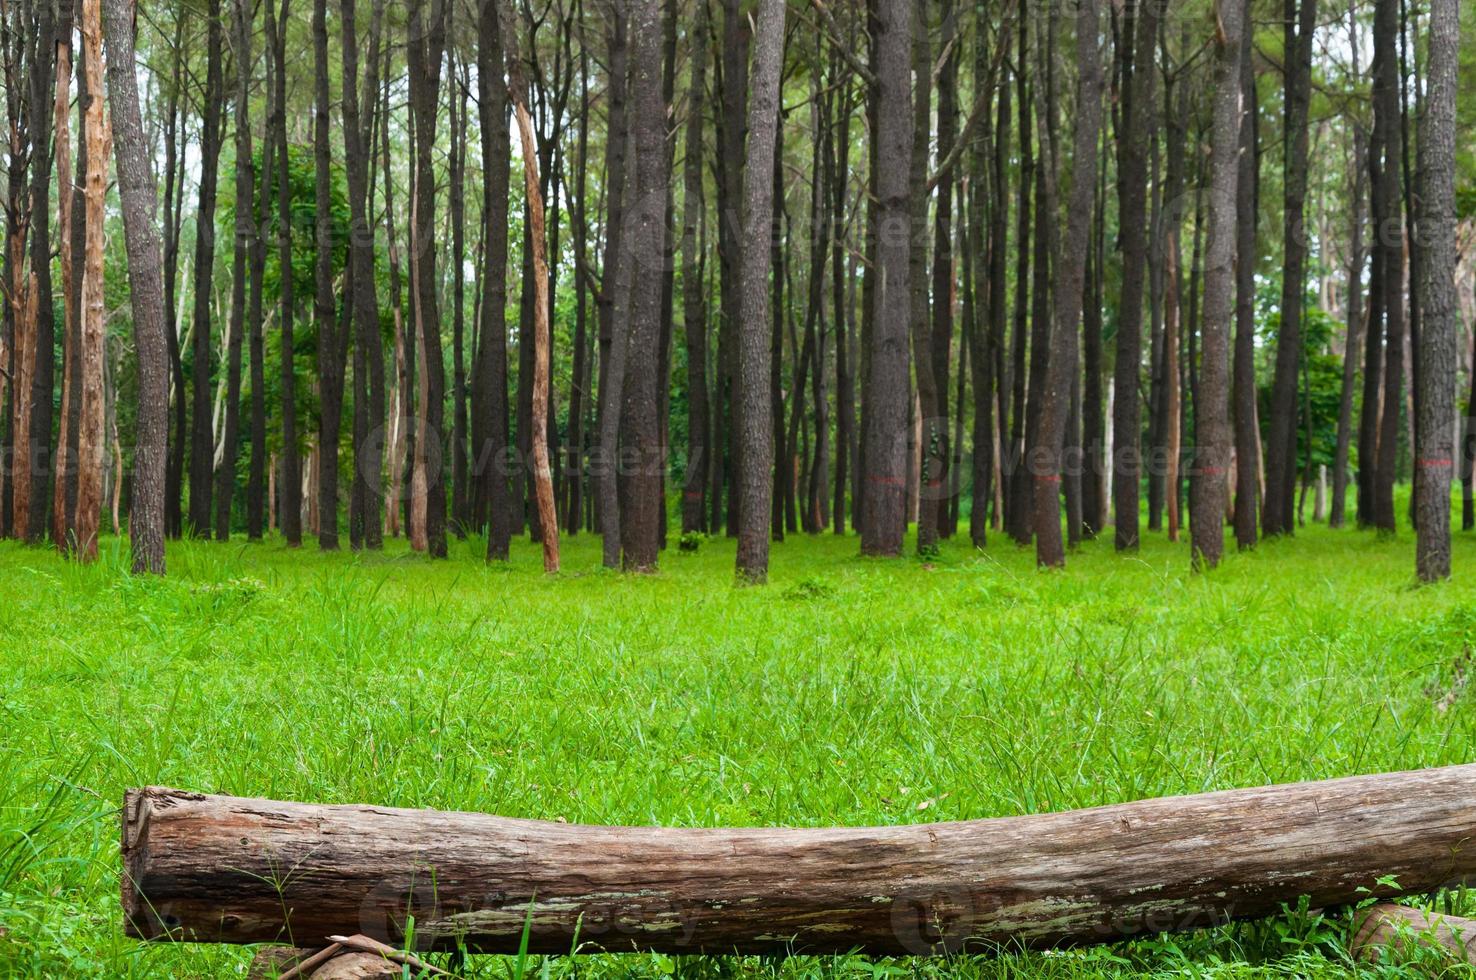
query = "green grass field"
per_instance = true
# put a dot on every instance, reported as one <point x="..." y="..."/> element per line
<point x="846" y="692"/>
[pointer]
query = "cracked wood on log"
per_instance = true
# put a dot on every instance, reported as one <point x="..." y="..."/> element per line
<point x="224" y="869"/>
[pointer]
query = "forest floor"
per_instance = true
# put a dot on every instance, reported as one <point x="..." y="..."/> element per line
<point x="846" y="692"/>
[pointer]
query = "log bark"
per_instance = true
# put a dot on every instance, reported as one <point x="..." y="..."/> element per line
<point x="225" y="869"/>
<point x="1394" y="934"/>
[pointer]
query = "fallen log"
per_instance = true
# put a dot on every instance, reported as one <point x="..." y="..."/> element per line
<point x="1396" y="934"/>
<point x="225" y="869"/>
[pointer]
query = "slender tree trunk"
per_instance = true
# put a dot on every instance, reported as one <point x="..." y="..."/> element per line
<point x="1207" y="485"/>
<point x="928" y="420"/>
<point x="460" y="494"/>
<point x="64" y="489"/>
<point x="1140" y="29"/>
<point x="34" y="475"/>
<point x="290" y="504"/>
<point x="91" y="433"/>
<point x="202" y="374"/>
<point x="174" y="162"/>
<point x="225" y="472"/>
<point x="755" y="437"/>
<point x="137" y="192"/>
<point x="1390" y="242"/>
<point x="887" y="382"/>
<point x="1434" y="455"/>
<point x="1070" y="278"/>
<point x="427" y="41"/>
<point x="845" y="382"/>
<point x="1356" y="315"/>
<point x="939" y="450"/>
<point x="1281" y="447"/>
<point x="330" y="376"/>
<point x="489" y="387"/>
<point x="694" y="302"/>
<point x="368" y="344"/>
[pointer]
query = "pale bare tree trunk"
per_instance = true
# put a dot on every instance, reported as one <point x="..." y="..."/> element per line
<point x="548" y="518"/>
<point x="90" y="434"/>
<point x="61" y="519"/>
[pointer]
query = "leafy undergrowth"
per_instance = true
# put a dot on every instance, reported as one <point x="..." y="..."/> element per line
<point x="846" y="692"/>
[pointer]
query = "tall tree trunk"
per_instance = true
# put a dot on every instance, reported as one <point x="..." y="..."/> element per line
<point x="290" y="504"/>
<point x="137" y="192"/>
<point x="489" y="386"/>
<point x="64" y="489"/>
<point x="174" y="180"/>
<point x="1247" y="209"/>
<point x="427" y="42"/>
<point x="1355" y="314"/>
<point x="1373" y="336"/>
<point x="930" y="423"/>
<point x="91" y="433"/>
<point x="1391" y="246"/>
<point x="940" y="448"/>
<point x="755" y="436"/>
<point x="614" y="292"/>
<point x="258" y="503"/>
<point x="1140" y="29"/>
<point x="639" y="488"/>
<point x="34" y="442"/>
<point x="460" y="493"/>
<point x="579" y="391"/>
<point x="1070" y="278"/>
<point x="1207" y="485"/>
<point x="694" y="300"/>
<point x="330" y="376"/>
<point x="202" y="375"/>
<point x="1281" y="447"/>
<point x="225" y="472"/>
<point x="1437" y="290"/>
<point x="845" y="382"/>
<point x="732" y="134"/>
<point x="358" y="139"/>
<point x="887" y="380"/>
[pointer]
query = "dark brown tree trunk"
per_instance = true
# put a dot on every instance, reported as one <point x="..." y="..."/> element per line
<point x="174" y="162"/>
<point x="1281" y="446"/>
<point x="1247" y="209"/>
<point x="579" y="391"/>
<point x="753" y="397"/>
<point x="1373" y="336"/>
<point x="1356" y="314"/>
<point x="256" y="475"/>
<point x="489" y="386"/>
<point x="932" y="426"/>
<point x="1208" y="487"/>
<point x="939" y="449"/>
<point x="614" y="293"/>
<point x="427" y="42"/>
<point x="885" y="462"/>
<point x="330" y="360"/>
<point x="1093" y="422"/>
<point x="289" y="501"/>
<point x="1391" y="244"/>
<point x="1434" y="453"/>
<point x="1140" y="30"/>
<point x="1018" y="503"/>
<point x="1070" y="279"/>
<point x="460" y="493"/>
<point x="35" y="440"/>
<point x="732" y="136"/>
<point x="845" y="382"/>
<point x="202" y="374"/>
<point x="694" y="300"/>
<point x="138" y="194"/>
<point x="245" y="213"/>
<point x="358" y="139"/>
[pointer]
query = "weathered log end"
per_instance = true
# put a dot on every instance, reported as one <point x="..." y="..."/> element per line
<point x="1394" y="934"/>
<point x="141" y="919"/>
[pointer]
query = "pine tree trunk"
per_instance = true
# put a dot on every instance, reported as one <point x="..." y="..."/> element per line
<point x="64" y="489"/>
<point x="1070" y="279"/>
<point x="753" y="397"/>
<point x="325" y="308"/>
<point x="136" y="191"/>
<point x="91" y="434"/>
<point x="1434" y="455"/>
<point x="1207" y="487"/>
<point x="202" y="374"/>
<point x="694" y="301"/>
<point x="887" y="399"/>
